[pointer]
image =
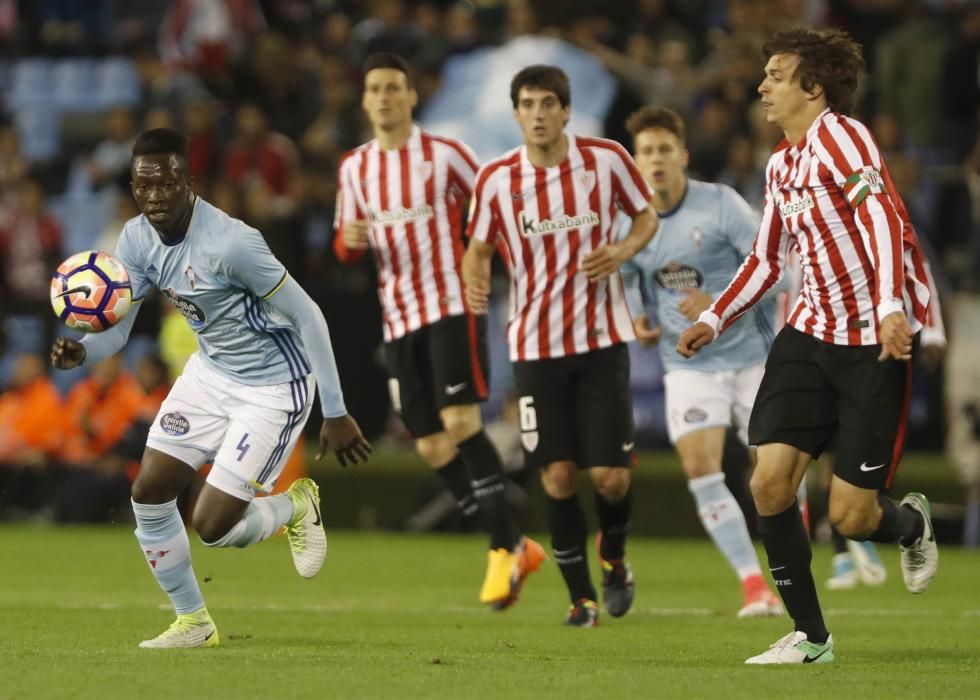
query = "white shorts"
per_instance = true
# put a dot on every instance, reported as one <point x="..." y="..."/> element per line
<point x="699" y="400"/>
<point x="247" y="431"/>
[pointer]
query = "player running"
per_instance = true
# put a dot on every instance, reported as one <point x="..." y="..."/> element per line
<point x="549" y="207"/>
<point x="840" y="368"/>
<point x="402" y="196"/>
<point x="244" y="396"/>
<point x="706" y="230"/>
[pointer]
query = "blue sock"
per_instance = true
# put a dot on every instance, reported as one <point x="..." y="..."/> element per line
<point x="724" y="521"/>
<point x="163" y="539"/>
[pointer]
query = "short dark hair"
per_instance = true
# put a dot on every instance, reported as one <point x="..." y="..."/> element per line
<point x="387" y="59"/>
<point x="160" y="142"/>
<point x="829" y="58"/>
<point x="542" y="77"/>
<point x="655" y="118"/>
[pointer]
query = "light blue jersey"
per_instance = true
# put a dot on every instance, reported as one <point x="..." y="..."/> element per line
<point x="700" y="243"/>
<point x="222" y="277"/>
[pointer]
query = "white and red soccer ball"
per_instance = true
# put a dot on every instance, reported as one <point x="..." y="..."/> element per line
<point x="91" y="291"/>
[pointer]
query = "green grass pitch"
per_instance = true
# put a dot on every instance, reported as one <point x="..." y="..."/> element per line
<point x="395" y="616"/>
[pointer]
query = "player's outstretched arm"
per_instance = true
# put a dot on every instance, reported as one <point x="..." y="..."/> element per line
<point x="339" y="432"/>
<point x="94" y="347"/>
<point x="695" y="338"/>
<point x="475" y="269"/>
<point x="605" y="260"/>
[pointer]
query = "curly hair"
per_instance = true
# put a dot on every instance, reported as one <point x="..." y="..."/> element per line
<point x="829" y="58"/>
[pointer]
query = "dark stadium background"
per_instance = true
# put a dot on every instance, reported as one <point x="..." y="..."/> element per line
<point x="268" y="92"/>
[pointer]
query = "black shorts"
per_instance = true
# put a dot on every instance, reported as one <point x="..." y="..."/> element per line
<point x="442" y="364"/>
<point x="814" y="392"/>
<point x="577" y="408"/>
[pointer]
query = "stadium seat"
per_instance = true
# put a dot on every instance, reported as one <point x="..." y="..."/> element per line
<point x="73" y="85"/>
<point x="37" y="131"/>
<point x="30" y="84"/>
<point x="117" y="83"/>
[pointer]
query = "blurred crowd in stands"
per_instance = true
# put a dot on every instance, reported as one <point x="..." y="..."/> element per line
<point x="268" y="92"/>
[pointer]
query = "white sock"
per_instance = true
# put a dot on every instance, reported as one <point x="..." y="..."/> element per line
<point x="724" y="521"/>
<point x="163" y="539"/>
<point x="263" y="518"/>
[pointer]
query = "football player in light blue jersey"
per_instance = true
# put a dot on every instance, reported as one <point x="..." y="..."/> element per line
<point x="706" y="231"/>
<point x="243" y="397"/>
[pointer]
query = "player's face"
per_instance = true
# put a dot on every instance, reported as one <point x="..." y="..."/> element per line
<point x="541" y="116"/>
<point x="162" y="189"/>
<point x="661" y="158"/>
<point x="782" y="95"/>
<point x="388" y="101"/>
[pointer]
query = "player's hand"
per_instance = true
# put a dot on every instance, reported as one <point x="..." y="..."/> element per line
<point x="694" y="303"/>
<point x="644" y="333"/>
<point x="355" y="234"/>
<point x="604" y="260"/>
<point x="343" y="435"/>
<point x="67" y="353"/>
<point x="695" y="338"/>
<point x="896" y="337"/>
<point x="476" y="282"/>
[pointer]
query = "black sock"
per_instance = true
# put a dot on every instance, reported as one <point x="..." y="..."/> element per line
<point x="837" y="539"/>
<point x="614" y="522"/>
<point x="487" y="479"/>
<point x="457" y="480"/>
<point x="788" y="547"/>
<point x="898" y="523"/>
<point x="566" y="520"/>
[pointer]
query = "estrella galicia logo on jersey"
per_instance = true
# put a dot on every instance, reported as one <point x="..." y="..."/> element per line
<point x="695" y="415"/>
<point x="192" y="312"/>
<point x="676" y="275"/>
<point x="174" y="424"/>
<point x="546" y="227"/>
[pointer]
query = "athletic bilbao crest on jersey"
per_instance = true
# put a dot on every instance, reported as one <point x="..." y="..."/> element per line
<point x="676" y="276"/>
<point x="587" y="181"/>
<point x="425" y="170"/>
<point x="860" y="184"/>
<point x="192" y="312"/>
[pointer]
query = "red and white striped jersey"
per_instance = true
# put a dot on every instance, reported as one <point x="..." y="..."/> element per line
<point x="544" y="221"/>
<point x="933" y="330"/>
<point x="413" y="198"/>
<point x="831" y="197"/>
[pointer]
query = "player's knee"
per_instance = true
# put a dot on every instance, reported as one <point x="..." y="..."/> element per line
<point x="210" y="530"/>
<point x="559" y="480"/>
<point x="460" y="423"/>
<point x="436" y="449"/>
<point x="770" y="493"/>
<point x="151" y="491"/>
<point x="611" y="483"/>
<point x="699" y="465"/>
<point x="852" y="521"/>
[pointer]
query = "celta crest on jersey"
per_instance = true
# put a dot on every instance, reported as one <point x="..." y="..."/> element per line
<point x="192" y="312"/>
<point x="393" y="217"/>
<point x="546" y="227"/>
<point x="675" y="276"/>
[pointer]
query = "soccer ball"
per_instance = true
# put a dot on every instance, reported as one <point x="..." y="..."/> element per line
<point x="91" y="292"/>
